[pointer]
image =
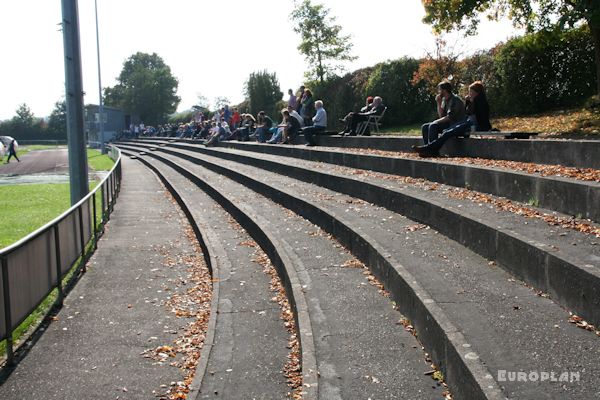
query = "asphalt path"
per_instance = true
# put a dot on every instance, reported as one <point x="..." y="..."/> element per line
<point x="53" y="161"/>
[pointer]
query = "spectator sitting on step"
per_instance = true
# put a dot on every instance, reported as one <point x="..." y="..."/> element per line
<point x="295" y="114"/>
<point x="264" y="124"/>
<point x="220" y="134"/>
<point x="478" y="119"/>
<point x="450" y="109"/>
<point x="319" y="124"/>
<point x="287" y="130"/>
<point x="245" y="129"/>
<point x="205" y="130"/>
<point x="353" y="119"/>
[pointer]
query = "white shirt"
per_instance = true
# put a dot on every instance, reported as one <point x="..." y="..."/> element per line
<point x="320" y="118"/>
<point x="295" y="114"/>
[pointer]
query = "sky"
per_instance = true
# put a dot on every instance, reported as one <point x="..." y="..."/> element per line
<point x="210" y="46"/>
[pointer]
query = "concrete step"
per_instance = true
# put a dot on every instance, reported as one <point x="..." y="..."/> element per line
<point x="563" y="263"/>
<point x="249" y="347"/>
<point x="517" y="344"/>
<point x="361" y="349"/>
<point x="565" y="195"/>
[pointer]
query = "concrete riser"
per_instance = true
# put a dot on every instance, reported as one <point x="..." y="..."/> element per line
<point x="571" y="153"/>
<point x="565" y="196"/>
<point x="568" y="284"/>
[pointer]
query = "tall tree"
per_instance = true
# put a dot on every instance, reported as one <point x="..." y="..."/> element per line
<point x="146" y="87"/>
<point x="24" y="116"/>
<point x="263" y="92"/>
<point x="221" y="101"/>
<point x="321" y="41"/>
<point x="57" y="123"/>
<point x="446" y="15"/>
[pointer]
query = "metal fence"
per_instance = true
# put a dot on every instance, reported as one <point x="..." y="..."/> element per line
<point x="37" y="264"/>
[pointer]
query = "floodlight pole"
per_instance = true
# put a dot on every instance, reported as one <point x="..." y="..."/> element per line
<point x="100" y="102"/>
<point x="78" y="169"/>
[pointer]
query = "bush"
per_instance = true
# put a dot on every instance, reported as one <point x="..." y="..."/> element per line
<point x="407" y="102"/>
<point x="545" y="70"/>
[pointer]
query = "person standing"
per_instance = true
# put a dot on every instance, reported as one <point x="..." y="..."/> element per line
<point x="292" y="101"/>
<point x="319" y="124"/>
<point x="299" y="96"/>
<point x="12" y="151"/>
<point x="308" y="106"/>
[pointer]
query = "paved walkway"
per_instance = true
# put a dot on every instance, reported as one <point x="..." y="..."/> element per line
<point x="37" y="162"/>
<point x="116" y="311"/>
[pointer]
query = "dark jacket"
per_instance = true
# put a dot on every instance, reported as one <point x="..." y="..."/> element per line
<point x="480" y="108"/>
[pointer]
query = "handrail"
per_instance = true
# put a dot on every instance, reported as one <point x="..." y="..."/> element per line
<point x="47" y="273"/>
<point x="16" y="245"/>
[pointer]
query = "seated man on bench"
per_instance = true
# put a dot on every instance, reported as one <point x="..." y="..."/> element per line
<point x="353" y="119"/>
<point x="478" y="119"/>
<point x="318" y="127"/>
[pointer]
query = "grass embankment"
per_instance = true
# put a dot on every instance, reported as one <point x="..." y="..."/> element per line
<point x="566" y="124"/>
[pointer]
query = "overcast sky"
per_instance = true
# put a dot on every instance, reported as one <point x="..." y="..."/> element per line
<point x="211" y="46"/>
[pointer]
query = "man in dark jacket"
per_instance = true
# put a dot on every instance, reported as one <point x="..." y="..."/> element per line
<point x="12" y="152"/>
<point x="353" y="119"/>
<point x="450" y="109"/>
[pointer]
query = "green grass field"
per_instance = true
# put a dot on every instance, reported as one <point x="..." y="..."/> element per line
<point x="28" y="207"/>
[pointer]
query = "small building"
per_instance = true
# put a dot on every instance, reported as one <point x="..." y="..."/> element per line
<point x="114" y="124"/>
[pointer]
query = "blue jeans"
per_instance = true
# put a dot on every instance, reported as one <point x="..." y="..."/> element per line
<point x="459" y="129"/>
<point x="276" y="138"/>
<point x="261" y="134"/>
<point x="432" y="130"/>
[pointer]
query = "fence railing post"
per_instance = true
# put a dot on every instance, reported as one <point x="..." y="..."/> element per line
<point x="103" y="205"/>
<point x="59" y="286"/>
<point x="7" y="313"/>
<point x="95" y="225"/>
<point x="81" y="235"/>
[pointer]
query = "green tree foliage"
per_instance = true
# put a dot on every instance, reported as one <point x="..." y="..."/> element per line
<point x="407" y="103"/>
<point x="221" y="101"/>
<point x="534" y="15"/>
<point x="545" y="70"/>
<point x="57" y="123"/>
<point x="341" y="95"/>
<point x="263" y="92"/>
<point x="25" y="126"/>
<point x="146" y="87"/>
<point x="24" y="116"/>
<point x="321" y="41"/>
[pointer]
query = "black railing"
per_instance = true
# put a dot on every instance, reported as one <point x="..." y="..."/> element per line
<point x="37" y="264"/>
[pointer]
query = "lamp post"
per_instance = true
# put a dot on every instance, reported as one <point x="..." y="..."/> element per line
<point x="78" y="169"/>
<point x="100" y="102"/>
